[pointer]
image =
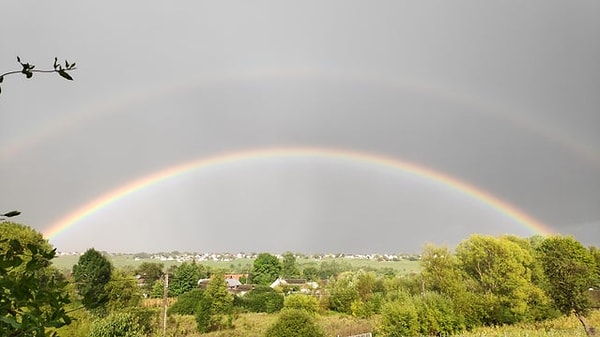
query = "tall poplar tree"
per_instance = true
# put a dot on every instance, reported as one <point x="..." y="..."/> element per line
<point x="289" y="266"/>
<point x="571" y="271"/>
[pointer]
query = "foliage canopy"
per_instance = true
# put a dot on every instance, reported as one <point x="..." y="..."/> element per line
<point x="265" y="269"/>
<point x="33" y="295"/>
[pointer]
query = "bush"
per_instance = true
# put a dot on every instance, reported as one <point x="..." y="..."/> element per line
<point x="147" y="318"/>
<point x="187" y="303"/>
<point x="119" y="324"/>
<point x="399" y="319"/>
<point x="302" y="302"/>
<point x="342" y="293"/>
<point x="430" y="314"/>
<point x="437" y="316"/>
<point x="260" y="299"/>
<point x="208" y="320"/>
<point x="362" y="309"/>
<point x="295" y="323"/>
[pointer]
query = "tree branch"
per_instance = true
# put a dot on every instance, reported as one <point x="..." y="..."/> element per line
<point x="29" y="69"/>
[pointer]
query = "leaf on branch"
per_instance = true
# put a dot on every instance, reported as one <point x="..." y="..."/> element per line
<point x="32" y="248"/>
<point x="65" y="75"/>
<point x="11" y="321"/>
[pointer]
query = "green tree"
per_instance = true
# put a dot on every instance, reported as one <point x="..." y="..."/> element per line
<point x="150" y="272"/>
<point x="158" y="289"/>
<point x="265" y="269"/>
<point x="186" y="277"/>
<point x="441" y="271"/>
<point x="260" y="299"/>
<point x="289" y="266"/>
<point x="216" y="308"/>
<point x="29" y="69"/>
<point x="91" y="274"/>
<point x="123" y="291"/>
<point x="32" y="292"/>
<point x="370" y="292"/>
<point x="333" y="269"/>
<point x="342" y="292"/>
<point x="499" y="271"/>
<point x="295" y="323"/>
<point x="595" y="252"/>
<point x="311" y="273"/>
<point x="570" y="269"/>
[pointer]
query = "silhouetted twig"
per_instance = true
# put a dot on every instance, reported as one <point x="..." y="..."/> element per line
<point x="29" y="69"/>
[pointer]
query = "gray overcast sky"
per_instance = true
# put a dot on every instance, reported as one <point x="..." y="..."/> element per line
<point x="504" y="96"/>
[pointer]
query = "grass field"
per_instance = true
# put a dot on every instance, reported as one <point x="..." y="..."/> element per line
<point x="255" y="324"/>
<point x="66" y="262"/>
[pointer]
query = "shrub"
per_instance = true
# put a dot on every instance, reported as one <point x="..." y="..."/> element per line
<point x="187" y="303"/>
<point x="436" y="315"/>
<point x="342" y="293"/>
<point x="147" y="318"/>
<point x="302" y="302"/>
<point x="118" y="324"/>
<point x="399" y="319"/>
<point x="260" y="299"/>
<point x="362" y="309"/>
<point x="295" y="323"/>
<point x="430" y="314"/>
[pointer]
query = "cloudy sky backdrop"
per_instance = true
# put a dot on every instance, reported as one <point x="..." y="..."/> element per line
<point x="503" y="96"/>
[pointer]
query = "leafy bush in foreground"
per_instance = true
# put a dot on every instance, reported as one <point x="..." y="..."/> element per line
<point x="119" y="324"/>
<point x="295" y="323"/>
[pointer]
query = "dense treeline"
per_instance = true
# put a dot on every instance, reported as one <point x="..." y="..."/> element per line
<point x="484" y="281"/>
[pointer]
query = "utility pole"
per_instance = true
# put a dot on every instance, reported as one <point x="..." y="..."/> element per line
<point x="165" y="296"/>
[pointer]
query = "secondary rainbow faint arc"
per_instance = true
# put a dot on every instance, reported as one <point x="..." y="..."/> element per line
<point x="113" y="196"/>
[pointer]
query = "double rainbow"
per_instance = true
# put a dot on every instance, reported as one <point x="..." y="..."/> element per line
<point x="508" y="210"/>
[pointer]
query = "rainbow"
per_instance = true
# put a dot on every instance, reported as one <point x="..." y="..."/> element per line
<point x="512" y="212"/>
<point x="482" y="105"/>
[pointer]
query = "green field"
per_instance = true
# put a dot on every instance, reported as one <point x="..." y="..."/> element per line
<point x="66" y="262"/>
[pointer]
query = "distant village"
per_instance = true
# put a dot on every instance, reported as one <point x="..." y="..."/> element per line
<point x="228" y="257"/>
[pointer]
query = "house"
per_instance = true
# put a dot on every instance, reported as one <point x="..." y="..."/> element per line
<point x="233" y="284"/>
<point x="295" y="285"/>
